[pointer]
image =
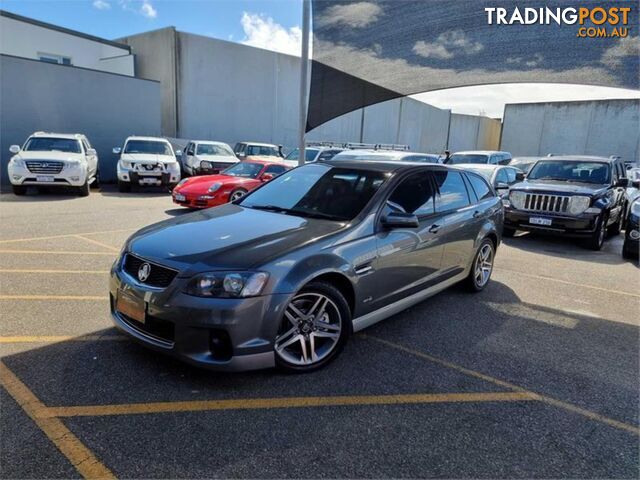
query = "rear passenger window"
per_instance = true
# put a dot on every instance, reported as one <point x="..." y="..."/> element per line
<point x="451" y="192"/>
<point x="415" y="194"/>
<point x="479" y="186"/>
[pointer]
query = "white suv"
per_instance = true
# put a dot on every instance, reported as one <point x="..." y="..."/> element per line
<point x="147" y="161"/>
<point x="205" y="157"/>
<point x="58" y="159"/>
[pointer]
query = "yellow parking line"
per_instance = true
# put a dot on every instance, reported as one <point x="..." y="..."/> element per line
<point x="84" y="461"/>
<point x="285" y="402"/>
<point x="54" y="252"/>
<point x="532" y="395"/>
<point x="19" y="270"/>
<point x="95" y="242"/>
<point x="66" y="235"/>
<point x="59" y="338"/>
<point x="566" y="282"/>
<point x="53" y="297"/>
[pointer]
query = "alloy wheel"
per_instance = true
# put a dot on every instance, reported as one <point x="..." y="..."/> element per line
<point x="484" y="265"/>
<point x="311" y="329"/>
<point x="237" y="195"/>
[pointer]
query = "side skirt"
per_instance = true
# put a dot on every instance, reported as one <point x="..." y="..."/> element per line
<point x="387" y="311"/>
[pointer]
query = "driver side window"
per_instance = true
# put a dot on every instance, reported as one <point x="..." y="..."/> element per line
<point x="415" y="194"/>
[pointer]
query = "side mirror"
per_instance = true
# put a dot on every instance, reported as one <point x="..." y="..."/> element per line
<point x="14" y="148"/>
<point x="91" y="151"/>
<point x="117" y="150"/>
<point x="622" y="182"/>
<point x="266" y="177"/>
<point x="520" y="176"/>
<point x="400" y="220"/>
<point x="178" y="153"/>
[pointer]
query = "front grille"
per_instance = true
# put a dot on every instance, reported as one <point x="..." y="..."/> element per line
<point x="159" y="276"/>
<point x="540" y="202"/>
<point x="161" y="329"/>
<point x="38" y="166"/>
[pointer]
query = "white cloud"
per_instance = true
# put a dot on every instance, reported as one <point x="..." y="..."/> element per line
<point x="147" y="10"/>
<point x="263" y="32"/>
<point x="447" y="45"/>
<point x="356" y="15"/>
<point x="534" y="61"/>
<point x="626" y="47"/>
<point x="101" y="5"/>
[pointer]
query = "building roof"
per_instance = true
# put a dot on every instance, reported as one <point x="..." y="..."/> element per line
<point x="68" y="31"/>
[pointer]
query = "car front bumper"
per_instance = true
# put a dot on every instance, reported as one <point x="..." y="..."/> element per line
<point x="632" y="237"/>
<point x="69" y="176"/>
<point x="148" y="178"/>
<point x="214" y="333"/>
<point x="579" y="226"/>
<point x="199" y="201"/>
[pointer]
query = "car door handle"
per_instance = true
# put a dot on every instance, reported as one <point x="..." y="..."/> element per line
<point x="476" y="214"/>
<point x="434" y="228"/>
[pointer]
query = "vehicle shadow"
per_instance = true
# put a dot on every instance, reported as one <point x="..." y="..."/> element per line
<point x="176" y="212"/>
<point x="571" y="249"/>
<point x="110" y="190"/>
<point x="40" y="194"/>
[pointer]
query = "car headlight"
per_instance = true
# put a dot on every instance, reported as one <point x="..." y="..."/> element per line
<point x="635" y="208"/>
<point x="517" y="199"/>
<point x="17" y="162"/>
<point x="578" y="204"/>
<point x="206" y="164"/>
<point x="227" y="284"/>
<point x="173" y="167"/>
<point x="215" y="187"/>
<point x="125" y="164"/>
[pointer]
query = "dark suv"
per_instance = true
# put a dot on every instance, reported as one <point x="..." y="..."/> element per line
<point x="286" y="274"/>
<point x="575" y="196"/>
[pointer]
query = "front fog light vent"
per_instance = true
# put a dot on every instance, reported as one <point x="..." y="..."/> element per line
<point x="220" y="345"/>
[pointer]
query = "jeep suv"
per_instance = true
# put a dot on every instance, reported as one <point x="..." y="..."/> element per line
<point x="53" y="159"/>
<point x="147" y="161"/>
<point x="575" y="196"/>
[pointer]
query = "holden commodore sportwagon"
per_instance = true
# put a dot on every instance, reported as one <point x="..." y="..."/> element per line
<point x="283" y="276"/>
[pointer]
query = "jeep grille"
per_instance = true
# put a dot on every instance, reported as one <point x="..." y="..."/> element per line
<point x="539" y="202"/>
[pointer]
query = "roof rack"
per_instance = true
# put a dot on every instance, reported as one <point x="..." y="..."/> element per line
<point x="364" y="146"/>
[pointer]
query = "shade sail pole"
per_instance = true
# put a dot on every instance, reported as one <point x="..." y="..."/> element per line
<point x="304" y="71"/>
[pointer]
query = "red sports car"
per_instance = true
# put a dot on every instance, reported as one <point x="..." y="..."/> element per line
<point x="230" y="184"/>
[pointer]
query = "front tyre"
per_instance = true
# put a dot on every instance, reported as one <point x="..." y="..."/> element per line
<point x="83" y="191"/>
<point x="19" y="189"/>
<point x="482" y="266"/>
<point x="237" y="194"/>
<point x="596" y="241"/>
<point x="314" y="329"/>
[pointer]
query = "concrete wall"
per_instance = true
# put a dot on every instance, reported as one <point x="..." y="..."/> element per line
<point x="600" y="127"/>
<point x="106" y="107"/>
<point x="23" y="39"/>
<point x="471" y="132"/>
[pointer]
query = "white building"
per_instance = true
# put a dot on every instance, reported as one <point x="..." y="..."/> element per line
<point x="28" y="38"/>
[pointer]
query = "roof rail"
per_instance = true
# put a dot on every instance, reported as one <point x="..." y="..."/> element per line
<point x="365" y="146"/>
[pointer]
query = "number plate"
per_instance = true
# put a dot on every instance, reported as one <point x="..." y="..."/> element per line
<point x="130" y="306"/>
<point x="44" y="179"/>
<point x="180" y="198"/>
<point x="149" y="181"/>
<point x="540" y="221"/>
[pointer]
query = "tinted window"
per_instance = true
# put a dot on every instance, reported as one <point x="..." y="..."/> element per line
<point x="318" y="190"/>
<point x="567" y="170"/>
<point x="262" y="150"/>
<point x="421" y="158"/>
<point x="244" y="169"/>
<point x="415" y="194"/>
<point x="148" y="146"/>
<point x="44" y="144"/>
<point x="451" y="192"/>
<point x="213" y="149"/>
<point x="480" y="187"/>
<point x="275" y="170"/>
<point x="457" y="159"/>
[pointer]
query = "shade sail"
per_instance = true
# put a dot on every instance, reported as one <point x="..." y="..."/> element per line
<point x="369" y="51"/>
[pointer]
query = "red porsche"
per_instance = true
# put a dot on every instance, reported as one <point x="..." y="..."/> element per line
<point x="230" y="184"/>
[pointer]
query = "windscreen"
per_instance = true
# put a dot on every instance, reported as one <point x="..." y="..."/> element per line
<point x="244" y="169"/>
<point x="571" y="171"/>
<point x="369" y="51"/>
<point x="318" y="190"/>
<point x="210" y="149"/>
<point x="44" y="144"/>
<point x="263" y="151"/>
<point x="309" y="154"/>
<point x="457" y="159"/>
<point x="147" y="146"/>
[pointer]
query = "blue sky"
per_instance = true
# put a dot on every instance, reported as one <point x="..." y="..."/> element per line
<point x="118" y="18"/>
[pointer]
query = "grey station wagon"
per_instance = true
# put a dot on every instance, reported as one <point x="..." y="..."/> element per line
<point x="283" y="276"/>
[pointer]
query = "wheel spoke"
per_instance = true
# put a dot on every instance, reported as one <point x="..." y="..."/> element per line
<point x="292" y="319"/>
<point x="327" y="326"/>
<point x="286" y="334"/>
<point x="291" y="341"/>
<point x="297" y="311"/>
<point x="317" y="310"/>
<point x="321" y="334"/>
<point x="303" y="347"/>
<point x="312" y="347"/>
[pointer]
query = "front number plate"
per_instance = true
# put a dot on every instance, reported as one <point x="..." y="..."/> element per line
<point x="44" y="179"/>
<point x="540" y="221"/>
<point x="180" y="198"/>
<point x="131" y="307"/>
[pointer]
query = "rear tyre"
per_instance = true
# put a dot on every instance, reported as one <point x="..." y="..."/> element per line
<point x="508" y="232"/>
<point x="482" y="266"/>
<point x="19" y="189"/>
<point x="83" y="191"/>
<point x="237" y="194"/>
<point x="315" y="327"/>
<point x="96" y="180"/>
<point x="124" y="187"/>
<point x="596" y="241"/>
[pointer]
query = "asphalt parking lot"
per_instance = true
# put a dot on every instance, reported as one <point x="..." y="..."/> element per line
<point x="537" y="376"/>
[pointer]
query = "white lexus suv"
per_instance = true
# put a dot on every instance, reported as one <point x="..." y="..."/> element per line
<point x="147" y="161"/>
<point x="53" y="159"/>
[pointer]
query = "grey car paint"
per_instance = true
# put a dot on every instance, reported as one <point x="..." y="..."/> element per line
<point x="414" y="263"/>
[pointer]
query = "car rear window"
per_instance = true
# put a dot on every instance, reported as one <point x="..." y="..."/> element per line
<point x="480" y="186"/>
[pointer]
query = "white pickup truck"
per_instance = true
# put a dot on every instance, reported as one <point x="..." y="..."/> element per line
<point x="147" y="161"/>
<point x="53" y="159"/>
